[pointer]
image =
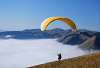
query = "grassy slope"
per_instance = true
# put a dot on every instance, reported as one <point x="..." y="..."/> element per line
<point x="87" y="61"/>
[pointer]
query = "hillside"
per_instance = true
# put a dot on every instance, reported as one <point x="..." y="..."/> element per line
<point x="87" y="61"/>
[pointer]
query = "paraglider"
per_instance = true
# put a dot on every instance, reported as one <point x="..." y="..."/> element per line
<point x="67" y="21"/>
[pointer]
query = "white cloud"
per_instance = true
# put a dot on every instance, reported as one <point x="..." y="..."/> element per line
<point x="21" y="53"/>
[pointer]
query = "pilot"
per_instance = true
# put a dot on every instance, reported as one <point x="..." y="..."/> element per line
<point x="59" y="56"/>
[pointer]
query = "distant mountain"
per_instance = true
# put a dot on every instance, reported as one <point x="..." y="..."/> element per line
<point x="80" y="37"/>
<point x="31" y="34"/>
<point x="63" y="36"/>
<point x="77" y="37"/>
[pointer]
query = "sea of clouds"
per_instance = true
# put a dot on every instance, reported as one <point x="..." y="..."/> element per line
<point x="22" y="53"/>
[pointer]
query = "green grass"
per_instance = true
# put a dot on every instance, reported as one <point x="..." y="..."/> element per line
<point x="87" y="61"/>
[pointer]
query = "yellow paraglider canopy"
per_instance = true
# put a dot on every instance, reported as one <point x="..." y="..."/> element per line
<point x="67" y="21"/>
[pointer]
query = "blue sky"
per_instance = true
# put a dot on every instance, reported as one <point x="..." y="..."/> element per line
<point x="28" y="14"/>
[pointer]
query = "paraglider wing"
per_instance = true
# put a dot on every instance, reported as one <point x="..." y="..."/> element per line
<point x="69" y="22"/>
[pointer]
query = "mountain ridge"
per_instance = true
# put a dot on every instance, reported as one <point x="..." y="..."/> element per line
<point x="62" y="36"/>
